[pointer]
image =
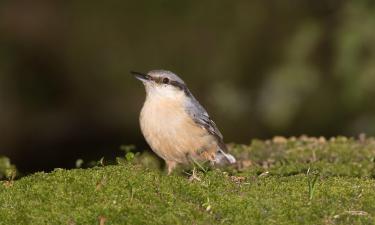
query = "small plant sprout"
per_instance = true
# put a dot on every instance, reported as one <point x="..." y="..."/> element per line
<point x="129" y="156"/>
<point x="197" y="167"/>
<point x="129" y="152"/>
<point x="101" y="162"/>
<point x="11" y="174"/>
<point x="312" y="178"/>
<point x="207" y="205"/>
<point x="201" y="167"/>
<point x="131" y="190"/>
<point x="7" y="169"/>
<point x="79" y="163"/>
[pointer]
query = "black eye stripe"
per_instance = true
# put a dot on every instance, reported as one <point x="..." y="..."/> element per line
<point x="180" y="86"/>
<point x="165" y="80"/>
<point x="177" y="84"/>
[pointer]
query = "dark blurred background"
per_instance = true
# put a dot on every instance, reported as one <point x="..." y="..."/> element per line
<point x="261" y="68"/>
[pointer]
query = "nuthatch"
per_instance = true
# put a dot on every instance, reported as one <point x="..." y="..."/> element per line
<point x="175" y="125"/>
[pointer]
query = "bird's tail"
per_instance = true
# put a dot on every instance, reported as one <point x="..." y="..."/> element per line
<point x="222" y="157"/>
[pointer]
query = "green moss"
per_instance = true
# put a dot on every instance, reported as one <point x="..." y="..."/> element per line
<point x="273" y="190"/>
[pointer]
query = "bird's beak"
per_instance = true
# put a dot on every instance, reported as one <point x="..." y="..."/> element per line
<point x="140" y="76"/>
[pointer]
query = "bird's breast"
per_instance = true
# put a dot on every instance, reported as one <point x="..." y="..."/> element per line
<point x="170" y="131"/>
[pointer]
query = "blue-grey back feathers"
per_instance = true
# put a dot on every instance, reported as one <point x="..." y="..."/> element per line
<point x="201" y="117"/>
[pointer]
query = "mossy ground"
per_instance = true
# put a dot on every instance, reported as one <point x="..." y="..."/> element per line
<point x="294" y="181"/>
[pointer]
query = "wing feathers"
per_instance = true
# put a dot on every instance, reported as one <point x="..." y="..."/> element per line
<point x="201" y="117"/>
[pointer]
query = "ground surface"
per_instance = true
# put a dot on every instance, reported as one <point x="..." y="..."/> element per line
<point x="272" y="184"/>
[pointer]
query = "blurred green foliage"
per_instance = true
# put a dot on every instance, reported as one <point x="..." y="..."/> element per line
<point x="260" y="68"/>
<point x="7" y="169"/>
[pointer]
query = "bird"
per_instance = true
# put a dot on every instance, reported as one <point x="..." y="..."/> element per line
<point x="175" y="125"/>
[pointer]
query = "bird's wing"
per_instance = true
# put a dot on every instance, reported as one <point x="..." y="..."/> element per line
<point x="201" y="117"/>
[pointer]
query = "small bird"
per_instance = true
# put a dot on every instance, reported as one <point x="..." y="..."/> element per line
<point x="174" y="124"/>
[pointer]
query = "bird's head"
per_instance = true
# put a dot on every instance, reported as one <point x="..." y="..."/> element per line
<point x="162" y="83"/>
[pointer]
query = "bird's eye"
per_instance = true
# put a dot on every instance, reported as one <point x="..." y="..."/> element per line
<point x="165" y="80"/>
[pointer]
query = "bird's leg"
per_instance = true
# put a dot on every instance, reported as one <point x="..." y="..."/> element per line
<point x="170" y="166"/>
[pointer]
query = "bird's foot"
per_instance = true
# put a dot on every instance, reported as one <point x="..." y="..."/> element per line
<point x="193" y="176"/>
